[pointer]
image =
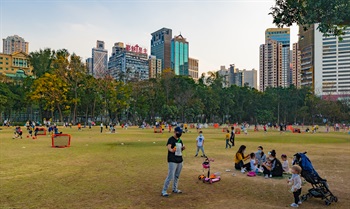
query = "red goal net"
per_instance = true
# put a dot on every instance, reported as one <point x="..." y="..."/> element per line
<point x="61" y="140"/>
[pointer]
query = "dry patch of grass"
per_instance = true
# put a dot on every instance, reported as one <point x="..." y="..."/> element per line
<point x="98" y="172"/>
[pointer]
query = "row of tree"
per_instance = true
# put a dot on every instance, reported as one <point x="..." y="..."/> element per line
<point x="61" y="89"/>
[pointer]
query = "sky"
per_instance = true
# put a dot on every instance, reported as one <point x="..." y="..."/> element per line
<point x="219" y="32"/>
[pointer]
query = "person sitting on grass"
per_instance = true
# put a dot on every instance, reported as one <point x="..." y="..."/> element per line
<point x="260" y="156"/>
<point x="200" y="144"/>
<point x="275" y="168"/>
<point x="285" y="164"/>
<point x="18" y="132"/>
<point x="239" y="159"/>
<point x="253" y="163"/>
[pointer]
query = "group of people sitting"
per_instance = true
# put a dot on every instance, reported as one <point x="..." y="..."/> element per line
<point x="268" y="164"/>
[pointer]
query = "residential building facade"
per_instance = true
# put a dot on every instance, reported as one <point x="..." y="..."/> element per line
<point x="13" y="44"/>
<point x="296" y="66"/>
<point x="250" y="78"/>
<point x="155" y="67"/>
<point x="270" y="68"/>
<point x="179" y="55"/>
<point x="193" y="67"/>
<point x="161" y="46"/>
<point x="15" y="65"/>
<point x="89" y="66"/>
<point x="282" y="35"/>
<point x="129" y="63"/>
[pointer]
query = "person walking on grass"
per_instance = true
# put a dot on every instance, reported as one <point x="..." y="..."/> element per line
<point x="175" y="147"/>
<point x="295" y="181"/>
<point x="227" y="136"/>
<point x="200" y="144"/>
<point x="232" y="137"/>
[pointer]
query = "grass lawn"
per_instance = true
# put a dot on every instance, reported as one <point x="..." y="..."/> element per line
<point x="98" y="172"/>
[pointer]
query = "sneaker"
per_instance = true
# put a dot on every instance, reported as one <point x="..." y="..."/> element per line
<point x="300" y="202"/>
<point x="177" y="191"/>
<point x="165" y="195"/>
<point x="266" y="176"/>
<point x="242" y="170"/>
<point x="196" y="155"/>
<point x="270" y="176"/>
<point x="293" y="205"/>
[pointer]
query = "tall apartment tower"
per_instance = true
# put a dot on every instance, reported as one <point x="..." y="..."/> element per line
<point x="306" y="45"/>
<point x="161" y="46"/>
<point x="296" y="66"/>
<point x="282" y="35"/>
<point x="271" y="65"/>
<point x="99" y="60"/>
<point x="155" y="67"/>
<point x="332" y="65"/>
<point x="193" y="68"/>
<point x="13" y="44"/>
<point x="250" y="77"/>
<point x="179" y="55"/>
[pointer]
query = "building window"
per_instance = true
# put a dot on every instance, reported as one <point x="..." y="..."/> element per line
<point x="7" y="58"/>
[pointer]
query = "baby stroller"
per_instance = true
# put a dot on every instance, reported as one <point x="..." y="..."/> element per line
<point x="210" y="178"/>
<point x="320" y="187"/>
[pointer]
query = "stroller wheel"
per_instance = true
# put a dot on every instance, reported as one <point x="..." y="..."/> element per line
<point x="334" y="199"/>
<point x="304" y="198"/>
<point x="328" y="203"/>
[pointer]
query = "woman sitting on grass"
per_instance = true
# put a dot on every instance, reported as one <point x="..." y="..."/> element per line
<point x="274" y="168"/>
<point x="239" y="160"/>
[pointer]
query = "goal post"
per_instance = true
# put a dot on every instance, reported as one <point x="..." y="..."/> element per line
<point x="60" y="140"/>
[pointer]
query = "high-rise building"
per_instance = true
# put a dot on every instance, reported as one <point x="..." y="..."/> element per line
<point x="161" y="46"/>
<point x="238" y="77"/>
<point x="129" y="63"/>
<point x="332" y="65"/>
<point x="282" y="35"/>
<point x="296" y="66"/>
<point x="13" y="44"/>
<point x="15" y="65"/>
<point x="99" y="60"/>
<point x="179" y="55"/>
<point x="224" y="74"/>
<point x="306" y="46"/>
<point x="155" y="67"/>
<point x="193" y="68"/>
<point x="270" y="64"/>
<point x="89" y="66"/>
<point x="250" y="78"/>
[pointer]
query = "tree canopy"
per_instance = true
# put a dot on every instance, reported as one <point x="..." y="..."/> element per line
<point x="333" y="16"/>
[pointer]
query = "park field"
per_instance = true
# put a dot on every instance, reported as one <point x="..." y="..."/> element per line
<point x="127" y="170"/>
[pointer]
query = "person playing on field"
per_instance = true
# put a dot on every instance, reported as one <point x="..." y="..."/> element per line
<point x="200" y="144"/>
<point x="227" y="137"/>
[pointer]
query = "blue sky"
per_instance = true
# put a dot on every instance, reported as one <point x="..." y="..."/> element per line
<point x="219" y="32"/>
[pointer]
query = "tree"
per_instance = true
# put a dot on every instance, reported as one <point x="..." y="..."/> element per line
<point x="333" y="16"/>
<point x="41" y="61"/>
<point x="51" y="91"/>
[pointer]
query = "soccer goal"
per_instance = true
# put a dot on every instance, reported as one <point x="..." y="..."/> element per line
<point x="61" y="140"/>
<point x="41" y="132"/>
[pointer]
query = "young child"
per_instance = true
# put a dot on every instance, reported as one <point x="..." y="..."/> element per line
<point x="253" y="163"/>
<point x="295" y="181"/>
<point x="227" y="136"/>
<point x="285" y="164"/>
<point x="200" y="144"/>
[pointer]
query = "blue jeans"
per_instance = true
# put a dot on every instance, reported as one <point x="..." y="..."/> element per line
<point x="228" y="144"/>
<point x="200" y="148"/>
<point x="174" y="170"/>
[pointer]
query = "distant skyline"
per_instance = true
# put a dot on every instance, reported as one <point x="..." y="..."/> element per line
<point x="218" y="32"/>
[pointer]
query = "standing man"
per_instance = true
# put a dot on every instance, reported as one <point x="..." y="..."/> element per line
<point x="101" y="127"/>
<point x="175" y="147"/>
<point x="232" y="138"/>
<point x="200" y="144"/>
